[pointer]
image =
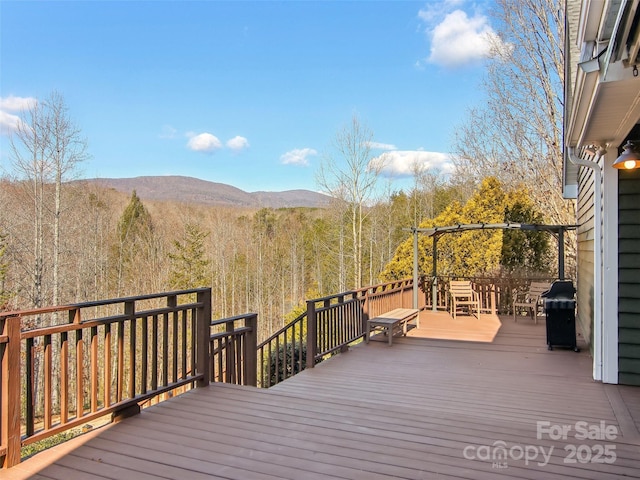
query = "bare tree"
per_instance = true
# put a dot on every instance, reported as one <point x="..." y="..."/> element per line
<point x="28" y="147"/>
<point x="66" y="149"/>
<point x="350" y="176"/>
<point x="516" y="135"/>
<point x="45" y="148"/>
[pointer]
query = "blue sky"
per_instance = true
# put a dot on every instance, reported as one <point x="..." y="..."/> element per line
<point x="246" y="93"/>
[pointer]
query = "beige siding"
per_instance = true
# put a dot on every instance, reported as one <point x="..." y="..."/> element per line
<point x="585" y="286"/>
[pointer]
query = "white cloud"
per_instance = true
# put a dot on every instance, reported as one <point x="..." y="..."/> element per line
<point x="458" y="39"/>
<point x="9" y="122"/>
<point x="204" y="142"/>
<point x="298" y="156"/>
<point x="16" y="104"/>
<point x="403" y="163"/>
<point x="382" y="146"/>
<point x="237" y="143"/>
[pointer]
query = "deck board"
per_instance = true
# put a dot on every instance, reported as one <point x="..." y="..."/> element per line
<point x="377" y="411"/>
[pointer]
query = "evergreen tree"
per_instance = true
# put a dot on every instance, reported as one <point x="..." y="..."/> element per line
<point x="135" y="246"/>
<point x="524" y="252"/>
<point x="189" y="266"/>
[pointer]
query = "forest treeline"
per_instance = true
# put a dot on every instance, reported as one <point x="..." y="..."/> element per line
<point x="266" y="260"/>
<point x="111" y="245"/>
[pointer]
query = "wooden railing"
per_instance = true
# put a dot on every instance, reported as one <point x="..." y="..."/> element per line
<point x="329" y="325"/>
<point x="233" y="348"/>
<point x="61" y="367"/>
<point x="387" y="296"/>
<point x="496" y="293"/>
<point x="284" y="353"/>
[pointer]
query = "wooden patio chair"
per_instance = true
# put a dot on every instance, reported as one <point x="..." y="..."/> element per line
<point x="463" y="295"/>
<point x="531" y="301"/>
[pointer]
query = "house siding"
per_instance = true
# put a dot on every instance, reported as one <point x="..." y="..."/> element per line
<point x="585" y="237"/>
<point x="629" y="277"/>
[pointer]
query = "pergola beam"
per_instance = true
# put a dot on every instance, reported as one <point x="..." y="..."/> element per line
<point x="435" y="232"/>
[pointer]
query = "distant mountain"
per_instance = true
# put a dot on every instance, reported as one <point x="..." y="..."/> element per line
<point x="194" y="190"/>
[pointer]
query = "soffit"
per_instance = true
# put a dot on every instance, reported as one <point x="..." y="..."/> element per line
<point x="615" y="109"/>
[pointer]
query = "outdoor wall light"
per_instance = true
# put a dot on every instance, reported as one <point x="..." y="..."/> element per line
<point x="629" y="158"/>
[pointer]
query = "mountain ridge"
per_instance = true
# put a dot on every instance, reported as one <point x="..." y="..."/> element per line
<point x="195" y="190"/>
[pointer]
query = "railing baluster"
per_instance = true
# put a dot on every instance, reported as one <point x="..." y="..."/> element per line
<point x="183" y="353"/>
<point x="277" y="365"/>
<point x="47" y="382"/>
<point x="79" y="374"/>
<point x="144" y="354"/>
<point x="29" y="367"/>
<point x="238" y="359"/>
<point x="64" y="377"/>
<point x="260" y="365"/>
<point x="107" y="365"/>
<point x="174" y="347"/>
<point x="120" y="363"/>
<point x="133" y="354"/>
<point x="154" y="352"/>
<point x="172" y="302"/>
<point x="270" y="364"/>
<point x="222" y="363"/>
<point x="300" y="346"/>
<point x="194" y="346"/>
<point x="290" y="352"/>
<point x="94" y="369"/>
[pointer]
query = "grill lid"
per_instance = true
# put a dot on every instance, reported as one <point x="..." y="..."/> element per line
<point x="560" y="289"/>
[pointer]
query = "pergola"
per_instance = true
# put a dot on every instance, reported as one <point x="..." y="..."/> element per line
<point x="436" y="232"/>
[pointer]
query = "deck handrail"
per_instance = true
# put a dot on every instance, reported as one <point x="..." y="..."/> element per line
<point x="77" y="370"/>
<point x="328" y="325"/>
<point x="109" y="356"/>
<point x="232" y="350"/>
<point x="283" y="354"/>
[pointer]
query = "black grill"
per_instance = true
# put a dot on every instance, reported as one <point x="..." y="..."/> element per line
<point x="560" y="308"/>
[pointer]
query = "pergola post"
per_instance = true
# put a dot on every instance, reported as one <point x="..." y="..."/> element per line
<point x="561" y="254"/>
<point x="434" y="274"/>
<point x="415" y="267"/>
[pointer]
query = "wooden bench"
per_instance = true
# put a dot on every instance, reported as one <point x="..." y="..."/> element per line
<point x="389" y="321"/>
<point x="532" y="301"/>
<point x="462" y="294"/>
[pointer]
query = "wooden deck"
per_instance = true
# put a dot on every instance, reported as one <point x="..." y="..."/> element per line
<point x="422" y="408"/>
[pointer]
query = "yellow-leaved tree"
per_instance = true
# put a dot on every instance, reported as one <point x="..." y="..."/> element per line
<point x="477" y="252"/>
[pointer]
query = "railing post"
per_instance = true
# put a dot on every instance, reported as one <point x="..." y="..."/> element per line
<point x="10" y="394"/>
<point x="416" y="266"/>
<point x="493" y="297"/>
<point x="251" y="351"/>
<point x="203" y="335"/>
<point x="230" y="374"/>
<point x="365" y="310"/>
<point x="312" y="334"/>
